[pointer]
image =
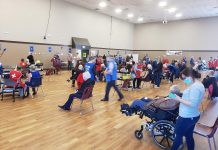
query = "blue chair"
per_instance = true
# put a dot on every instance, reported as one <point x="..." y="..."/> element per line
<point x="36" y="83"/>
<point x="10" y="86"/>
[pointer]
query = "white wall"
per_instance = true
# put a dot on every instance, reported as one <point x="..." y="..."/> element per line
<point x="196" y="34"/>
<point x="26" y="20"/>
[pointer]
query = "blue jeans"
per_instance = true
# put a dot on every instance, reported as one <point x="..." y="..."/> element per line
<point x="108" y="88"/>
<point x="157" y="79"/>
<point x="70" y="99"/>
<point x="185" y="127"/>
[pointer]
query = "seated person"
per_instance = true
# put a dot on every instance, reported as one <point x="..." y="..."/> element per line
<point x="147" y="75"/>
<point x="144" y="102"/>
<point x="75" y="73"/>
<point x="15" y="75"/>
<point x="210" y="79"/>
<point x="23" y="64"/>
<point x="88" y="82"/>
<point x="33" y="73"/>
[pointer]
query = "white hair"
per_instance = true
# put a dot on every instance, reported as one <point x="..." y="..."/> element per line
<point x="175" y="89"/>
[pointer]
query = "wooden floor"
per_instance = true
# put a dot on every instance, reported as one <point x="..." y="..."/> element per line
<point x="38" y="124"/>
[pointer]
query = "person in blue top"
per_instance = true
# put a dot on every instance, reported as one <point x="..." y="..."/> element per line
<point x="172" y="69"/>
<point x="189" y="108"/>
<point x="33" y="73"/>
<point x="90" y="67"/>
<point x="111" y="77"/>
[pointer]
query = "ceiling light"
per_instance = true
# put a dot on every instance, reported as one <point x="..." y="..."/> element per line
<point x="178" y="15"/>
<point x="162" y="4"/>
<point x="118" y="10"/>
<point x="130" y="15"/>
<point x="140" y="19"/>
<point x="172" y="10"/>
<point x="102" y="4"/>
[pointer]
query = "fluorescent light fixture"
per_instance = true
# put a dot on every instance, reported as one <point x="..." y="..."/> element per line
<point x="178" y="15"/>
<point x="130" y="15"/>
<point x="172" y="10"/>
<point x="140" y="19"/>
<point x="118" y="10"/>
<point x="102" y="4"/>
<point x="163" y="4"/>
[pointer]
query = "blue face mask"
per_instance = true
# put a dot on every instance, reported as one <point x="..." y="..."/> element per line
<point x="187" y="81"/>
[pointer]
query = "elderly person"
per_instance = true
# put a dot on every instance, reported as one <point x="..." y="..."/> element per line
<point x="33" y="73"/>
<point x="88" y="82"/>
<point x="142" y="103"/>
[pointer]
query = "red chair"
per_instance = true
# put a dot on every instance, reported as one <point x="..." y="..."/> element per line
<point x="86" y="95"/>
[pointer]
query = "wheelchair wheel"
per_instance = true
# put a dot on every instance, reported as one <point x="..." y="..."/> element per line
<point x="138" y="134"/>
<point x="163" y="134"/>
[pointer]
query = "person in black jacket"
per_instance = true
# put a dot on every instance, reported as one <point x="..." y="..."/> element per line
<point x="88" y="82"/>
<point x="31" y="59"/>
<point x="157" y="73"/>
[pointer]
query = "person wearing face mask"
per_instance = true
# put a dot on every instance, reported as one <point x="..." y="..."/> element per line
<point x="189" y="108"/>
<point x="111" y="77"/>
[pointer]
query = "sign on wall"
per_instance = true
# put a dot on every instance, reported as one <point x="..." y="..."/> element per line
<point x="174" y="53"/>
<point x="31" y="49"/>
<point x="49" y="49"/>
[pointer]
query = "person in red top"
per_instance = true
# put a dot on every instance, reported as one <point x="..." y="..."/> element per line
<point x="216" y="62"/>
<point x="137" y="69"/>
<point x="165" y="60"/>
<point x="98" y="67"/>
<point x="211" y="64"/>
<point x="16" y="75"/>
<point x="23" y="64"/>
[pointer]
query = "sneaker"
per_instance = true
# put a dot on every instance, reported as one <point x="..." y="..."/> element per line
<point x="156" y="87"/>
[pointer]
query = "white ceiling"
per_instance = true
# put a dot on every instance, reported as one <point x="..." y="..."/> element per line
<point x="150" y="11"/>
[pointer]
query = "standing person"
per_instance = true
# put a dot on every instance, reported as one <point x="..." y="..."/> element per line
<point x="189" y="108"/>
<point x="157" y="73"/>
<point x="90" y="67"/>
<point x="69" y="60"/>
<point x="211" y="64"/>
<point x="31" y="58"/>
<point x="98" y="67"/>
<point x="111" y="77"/>
<point x="192" y="62"/>
<point x="137" y="68"/>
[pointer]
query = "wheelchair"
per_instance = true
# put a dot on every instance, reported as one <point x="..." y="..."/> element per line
<point x="160" y="123"/>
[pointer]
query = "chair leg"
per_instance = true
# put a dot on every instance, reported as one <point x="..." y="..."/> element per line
<point x="214" y="142"/>
<point x="13" y="96"/>
<point x="209" y="143"/>
<point x="42" y="91"/>
<point x="81" y="107"/>
<point x="2" y="95"/>
<point x="92" y="105"/>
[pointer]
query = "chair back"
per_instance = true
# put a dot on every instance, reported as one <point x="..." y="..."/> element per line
<point x="87" y="93"/>
<point x="9" y="83"/>
<point x="36" y="82"/>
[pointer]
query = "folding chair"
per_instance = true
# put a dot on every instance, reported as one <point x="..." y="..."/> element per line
<point x="207" y="132"/>
<point x="86" y="95"/>
<point x="36" y="83"/>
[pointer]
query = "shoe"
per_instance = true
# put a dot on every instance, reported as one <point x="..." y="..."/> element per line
<point x="156" y="87"/>
<point x="34" y="93"/>
<point x="63" y="107"/>
<point x="120" y="99"/>
<point x="139" y="88"/>
<point x="104" y="100"/>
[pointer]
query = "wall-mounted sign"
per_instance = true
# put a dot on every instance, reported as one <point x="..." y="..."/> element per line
<point x="49" y="49"/>
<point x="174" y="53"/>
<point x="31" y="48"/>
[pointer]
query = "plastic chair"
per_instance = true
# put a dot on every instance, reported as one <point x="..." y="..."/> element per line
<point x="86" y="95"/>
<point x="36" y="83"/>
<point x="207" y="132"/>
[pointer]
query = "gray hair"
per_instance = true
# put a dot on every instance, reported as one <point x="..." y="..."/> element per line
<point x="175" y="89"/>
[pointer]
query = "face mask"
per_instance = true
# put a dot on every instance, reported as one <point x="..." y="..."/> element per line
<point x="188" y="81"/>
